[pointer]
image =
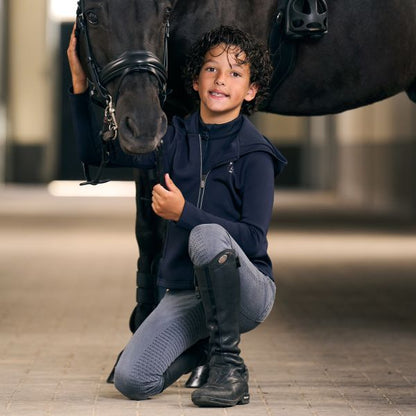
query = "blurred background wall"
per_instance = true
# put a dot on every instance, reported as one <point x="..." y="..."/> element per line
<point x="367" y="155"/>
<point x="30" y="85"/>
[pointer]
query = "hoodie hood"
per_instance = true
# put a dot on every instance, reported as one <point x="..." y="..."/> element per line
<point x="247" y="141"/>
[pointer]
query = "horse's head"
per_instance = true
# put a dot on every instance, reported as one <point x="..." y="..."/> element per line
<point x="123" y="48"/>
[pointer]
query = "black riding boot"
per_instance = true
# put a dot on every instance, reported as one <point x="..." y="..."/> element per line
<point x="199" y="375"/>
<point x="187" y="361"/>
<point x="219" y="286"/>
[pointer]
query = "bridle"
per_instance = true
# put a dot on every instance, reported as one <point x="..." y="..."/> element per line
<point x="126" y="63"/>
<point x="119" y="68"/>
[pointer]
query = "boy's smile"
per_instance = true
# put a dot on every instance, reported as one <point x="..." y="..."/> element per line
<point x="223" y="84"/>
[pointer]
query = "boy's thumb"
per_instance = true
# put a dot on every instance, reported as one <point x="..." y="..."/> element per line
<point x="169" y="183"/>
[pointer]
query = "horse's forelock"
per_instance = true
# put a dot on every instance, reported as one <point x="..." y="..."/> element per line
<point x="133" y="25"/>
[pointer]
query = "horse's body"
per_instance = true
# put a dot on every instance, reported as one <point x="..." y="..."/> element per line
<point x="367" y="55"/>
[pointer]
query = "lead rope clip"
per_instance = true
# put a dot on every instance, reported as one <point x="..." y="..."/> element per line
<point x="110" y="121"/>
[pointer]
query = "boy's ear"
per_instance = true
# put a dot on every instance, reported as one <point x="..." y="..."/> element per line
<point x="252" y="91"/>
<point x="195" y="85"/>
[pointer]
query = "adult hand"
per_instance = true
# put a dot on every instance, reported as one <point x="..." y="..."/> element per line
<point x="79" y="77"/>
<point x="168" y="203"/>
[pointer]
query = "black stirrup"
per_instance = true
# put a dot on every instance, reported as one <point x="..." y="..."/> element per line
<point x="306" y="18"/>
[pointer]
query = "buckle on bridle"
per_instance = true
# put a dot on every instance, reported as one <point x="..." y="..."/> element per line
<point x="110" y="126"/>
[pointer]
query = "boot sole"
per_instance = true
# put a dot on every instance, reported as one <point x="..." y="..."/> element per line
<point x="215" y="402"/>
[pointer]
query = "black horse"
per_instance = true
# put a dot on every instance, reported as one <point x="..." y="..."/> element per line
<point x="133" y="51"/>
<point x="367" y="55"/>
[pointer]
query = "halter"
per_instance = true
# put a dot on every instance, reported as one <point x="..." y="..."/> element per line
<point x="98" y="78"/>
<point x="126" y="63"/>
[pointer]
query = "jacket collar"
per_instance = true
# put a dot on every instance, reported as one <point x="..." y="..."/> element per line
<point x="248" y="140"/>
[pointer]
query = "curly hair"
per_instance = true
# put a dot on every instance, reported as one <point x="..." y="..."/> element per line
<point x="237" y="41"/>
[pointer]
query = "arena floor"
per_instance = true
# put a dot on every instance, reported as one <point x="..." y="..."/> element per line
<point x="341" y="339"/>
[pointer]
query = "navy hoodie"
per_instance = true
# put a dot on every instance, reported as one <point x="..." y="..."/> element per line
<point x="233" y="187"/>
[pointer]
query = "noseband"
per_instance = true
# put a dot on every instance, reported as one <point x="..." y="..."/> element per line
<point x="126" y="63"/>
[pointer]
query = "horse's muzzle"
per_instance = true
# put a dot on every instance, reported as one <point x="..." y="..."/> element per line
<point x="136" y="138"/>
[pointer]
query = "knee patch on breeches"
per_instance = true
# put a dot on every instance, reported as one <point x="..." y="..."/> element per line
<point x="137" y="389"/>
<point x="206" y="241"/>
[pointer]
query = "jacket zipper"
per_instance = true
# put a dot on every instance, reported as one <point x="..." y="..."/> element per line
<point x="202" y="187"/>
<point x="202" y="177"/>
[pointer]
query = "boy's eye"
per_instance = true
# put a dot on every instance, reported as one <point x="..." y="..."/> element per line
<point x="210" y="69"/>
<point x="235" y="74"/>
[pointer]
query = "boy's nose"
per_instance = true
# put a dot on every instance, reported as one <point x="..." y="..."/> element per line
<point x="220" y="77"/>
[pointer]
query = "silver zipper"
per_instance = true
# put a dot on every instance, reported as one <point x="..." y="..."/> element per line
<point x="203" y="178"/>
<point x="202" y="188"/>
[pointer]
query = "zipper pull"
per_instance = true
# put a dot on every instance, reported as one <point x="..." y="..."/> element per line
<point x="203" y="181"/>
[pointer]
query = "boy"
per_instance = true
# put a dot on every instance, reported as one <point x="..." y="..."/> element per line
<point x="218" y="199"/>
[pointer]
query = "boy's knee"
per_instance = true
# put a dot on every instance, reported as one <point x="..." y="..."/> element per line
<point x="137" y="388"/>
<point x="206" y="241"/>
<point x="204" y="231"/>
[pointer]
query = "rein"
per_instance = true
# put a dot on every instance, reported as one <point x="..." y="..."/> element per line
<point x="119" y="68"/>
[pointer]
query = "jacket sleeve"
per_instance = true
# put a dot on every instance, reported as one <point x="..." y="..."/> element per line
<point x="89" y="143"/>
<point x="85" y="129"/>
<point x="250" y="230"/>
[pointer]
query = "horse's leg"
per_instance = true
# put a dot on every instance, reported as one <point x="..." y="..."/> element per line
<point x="150" y="231"/>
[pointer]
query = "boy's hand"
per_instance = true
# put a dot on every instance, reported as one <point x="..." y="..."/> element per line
<point x="79" y="78"/>
<point x="168" y="203"/>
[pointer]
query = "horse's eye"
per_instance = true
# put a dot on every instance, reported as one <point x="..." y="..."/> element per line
<point x="92" y="17"/>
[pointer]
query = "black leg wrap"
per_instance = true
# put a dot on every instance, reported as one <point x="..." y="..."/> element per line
<point x="147" y="299"/>
<point x="219" y="287"/>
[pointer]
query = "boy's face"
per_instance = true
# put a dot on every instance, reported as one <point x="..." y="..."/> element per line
<point x="223" y="84"/>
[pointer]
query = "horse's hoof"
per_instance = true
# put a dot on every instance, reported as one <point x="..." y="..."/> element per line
<point x="198" y="377"/>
